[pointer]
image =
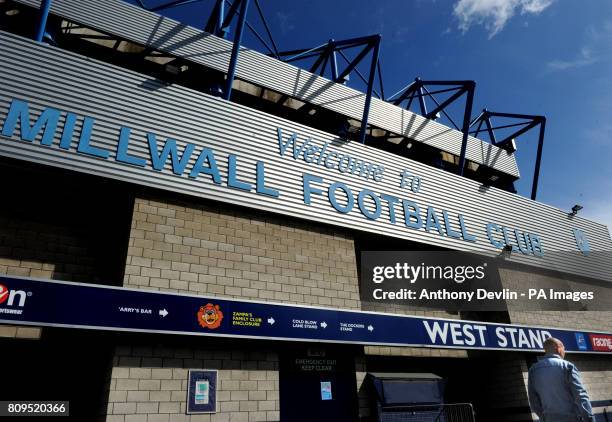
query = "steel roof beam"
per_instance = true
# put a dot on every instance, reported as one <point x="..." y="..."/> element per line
<point x="531" y="122"/>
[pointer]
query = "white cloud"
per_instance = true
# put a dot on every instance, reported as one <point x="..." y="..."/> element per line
<point x="534" y="6"/>
<point x="285" y="21"/>
<point x="598" y="33"/>
<point x="494" y="14"/>
<point x="595" y="47"/>
<point x="585" y="58"/>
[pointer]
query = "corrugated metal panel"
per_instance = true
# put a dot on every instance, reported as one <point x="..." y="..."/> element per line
<point x="46" y="76"/>
<point x="135" y="24"/>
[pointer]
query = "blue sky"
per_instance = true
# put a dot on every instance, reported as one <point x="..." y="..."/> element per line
<point x="549" y="57"/>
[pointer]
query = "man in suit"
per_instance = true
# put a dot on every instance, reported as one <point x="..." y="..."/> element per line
<point x="556" y="392"/>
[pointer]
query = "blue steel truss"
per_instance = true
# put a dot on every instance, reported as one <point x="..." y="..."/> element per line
<point x="225" y="12"/>
<point x="526" y="123"/>
<point x="218" y="24"/>
<point x="327" y="55"/>
<point x="219" y="21"/>
<point x="419" y="90"/>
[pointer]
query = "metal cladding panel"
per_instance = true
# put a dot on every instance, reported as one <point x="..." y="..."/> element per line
<point x="140" y="26"/>
<point x="45" y="76"/>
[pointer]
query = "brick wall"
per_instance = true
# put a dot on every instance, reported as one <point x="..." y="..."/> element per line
<point x="189" y="248"/>
<point x="149" y="384"/>
<point x="33" y="249"/>
<point x="414" y="351"/>
<point x="58" y="226"/>
<point x="596" y="373"/>
<point x="507" y="388"/>
<point x="583" y="320"/>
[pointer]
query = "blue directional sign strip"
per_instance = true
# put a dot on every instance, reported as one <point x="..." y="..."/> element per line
<point x="28" y="301"/>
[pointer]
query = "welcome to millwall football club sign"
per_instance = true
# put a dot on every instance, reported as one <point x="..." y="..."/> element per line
<point x="64" y="304"/>
<point x="115" y="123"/>
<point x="341" y="198"/>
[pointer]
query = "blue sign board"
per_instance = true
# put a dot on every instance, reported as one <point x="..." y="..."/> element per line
<point x="582" y="241"/>
<point x="202" y="392"/>
<point x="63" y="304"/>
<point x="581" y="341"/>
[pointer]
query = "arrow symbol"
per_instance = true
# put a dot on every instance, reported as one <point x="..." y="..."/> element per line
<point x="370" y="328"/>
<point x="324" y="324"/>
<point x="163" y="312"/>
<point x="271" y="321"/>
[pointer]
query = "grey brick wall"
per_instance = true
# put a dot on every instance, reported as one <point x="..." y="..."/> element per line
<point x="414" y="351"/>
<point x="582" y="320"/>
<point x="193" y="248"/>
<point x="507" y="387"/>
<point x="596" y="373"/>
<point x="57" y="226"/>
<point x="32" y="249"/>
<point x="149" y="384"/>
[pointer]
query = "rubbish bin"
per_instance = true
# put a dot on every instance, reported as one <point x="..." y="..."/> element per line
<point x="415" y="397"/>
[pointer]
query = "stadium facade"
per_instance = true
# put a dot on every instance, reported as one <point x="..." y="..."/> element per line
<point x="123" y="174"/>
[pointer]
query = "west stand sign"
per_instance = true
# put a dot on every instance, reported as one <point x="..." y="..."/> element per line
<point x="26" y="301"/>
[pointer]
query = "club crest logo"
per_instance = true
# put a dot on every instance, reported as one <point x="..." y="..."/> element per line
<point x="582" y="242"/>
<point x="581" y="341"/>
<point x="210" y="316"/>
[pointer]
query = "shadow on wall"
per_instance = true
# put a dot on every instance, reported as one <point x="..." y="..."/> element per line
<point x="59" y="225"/>
<point x="73" y="364"/>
